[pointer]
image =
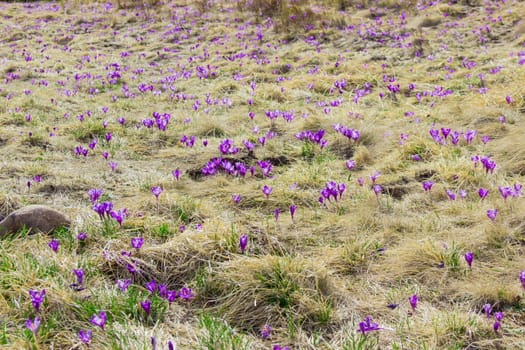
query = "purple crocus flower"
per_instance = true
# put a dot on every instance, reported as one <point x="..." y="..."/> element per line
<point x="103" y="209"/>
<point x="469" y="256"/>
<point x="516" y="192"/>
<point x="413" y="302"/>
<point x="249" y="145"/>
<point x="81" y="236"/>
<point x="483" y="193"/>
<point x="377" y="189"/>
<point x="350" y="164"/>
<point x="171" y="295"/>
<point x="136" y="242"/>
<point x="98" y="320"/>
<point x="176" y="174"/>
<point x="267" y="190"/>
<point x="469" y="135"/>
<point x="374" y="176"/>
<point x="156" y="190"/>
<point x="265" y="332"/>
<point x="497" y="323"/>
<point x="522" y="278"/>
<point x="33" y="325"/>
<point x="85" y="335"/>
<point x="146" y="306"/>
<point x="427" y="185"/>
<point x="123" y="284"/>
<point x="367" y="326"/>
<point x="226" y="147"/>
<point x="487" y="308"/>
<point x="278" y="347"/>
<point x="454" y="137"/>
<point x="243" y="241"/>
<point x="236" y="198"/>
<point x="360" y="181"/>
<point x="162" y="290"/>
<point x="118" y="215"/>
<point x="451" y="195"/>
<point x="108" y="136"/>
<point x="132" y="268"/>
<point x="37" y="298"/>
<point x="79" y="273"/>
<point x="53" y="244"/>
<point x="492" y="213"/>
<point x="151" y="286"/>
<point x="94" y="194"/>
<point x="293" y="207"/>
<point x="186" y="293"/>
<point x="276" y="214"/>
<point x="505" y="192"/>
<point x="488" y="164"/>
<point x="92" y="144"/>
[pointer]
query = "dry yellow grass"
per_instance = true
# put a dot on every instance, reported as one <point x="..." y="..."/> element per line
<point x="69" y="70"/>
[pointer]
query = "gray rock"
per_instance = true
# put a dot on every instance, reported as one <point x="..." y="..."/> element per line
<point x="35" y="218"/>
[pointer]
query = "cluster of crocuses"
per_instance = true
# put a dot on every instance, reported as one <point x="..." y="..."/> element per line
<point x="37" y="298"/>
<point x="79" y="150"/>
<point x="313" y="137"/>
<point x="452" y="195"/>
<point x="488" y="164"/>
<point x="105" y="209"/>
<point x="498" y="316"/>
<point x="265" y="166"/>
<point x="286" y="115"/>
<point x="35" y="179"/>
<point x="184" y="293"/>
<point x="219" y="165"/>
<point x="160" y="120"/>
<point x="507" y="191"/>
<point x="360" y="93"/>
<point x="351" y="134"/>
<point x="443" y="135"/>
<point x="187" y="141"/>
<point x="152" y="286"/>
<point x="331" y="191"/>
<point x="366" y="33"/>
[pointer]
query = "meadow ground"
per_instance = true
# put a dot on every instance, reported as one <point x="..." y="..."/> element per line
<point x="262" y="174"/>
